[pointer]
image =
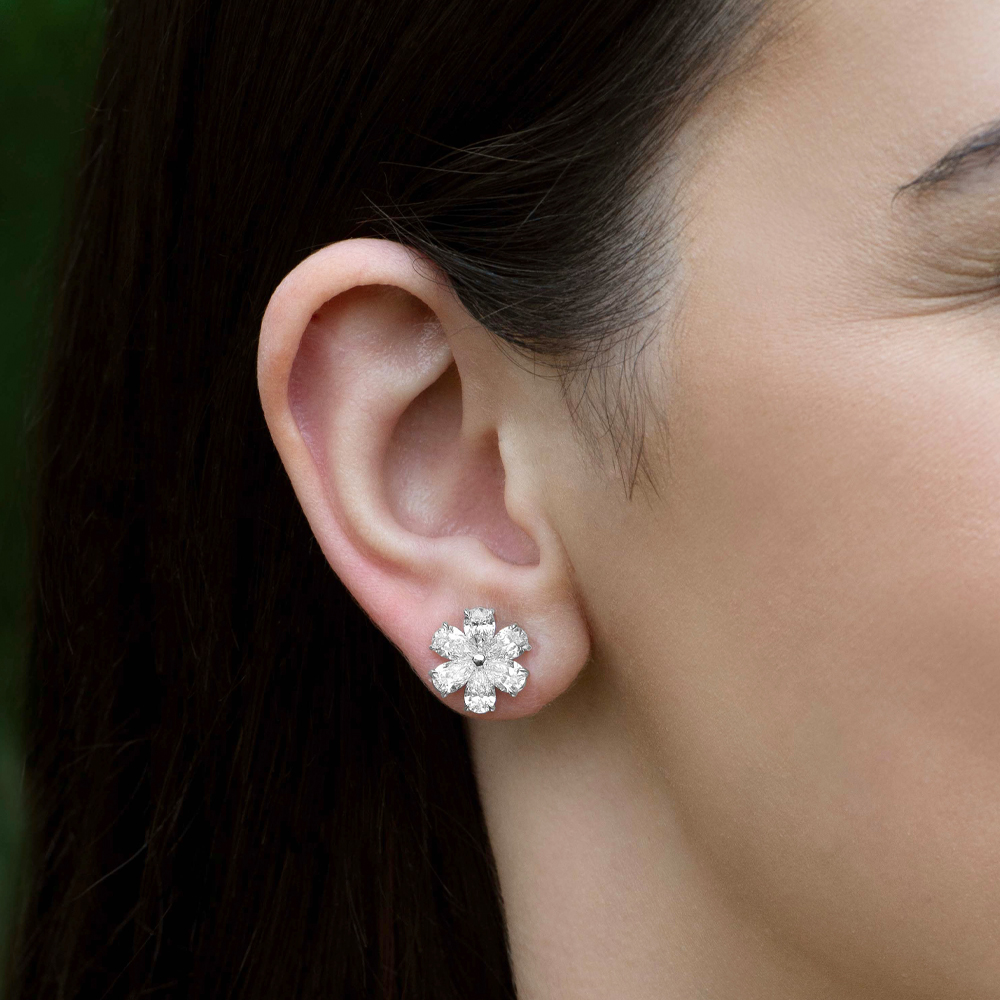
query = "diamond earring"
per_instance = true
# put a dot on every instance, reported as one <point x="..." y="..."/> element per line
<point x="480" y="658"/>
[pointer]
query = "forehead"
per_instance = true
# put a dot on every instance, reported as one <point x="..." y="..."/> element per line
<point x="803" y="152"/>
<point x="899" y="79"/>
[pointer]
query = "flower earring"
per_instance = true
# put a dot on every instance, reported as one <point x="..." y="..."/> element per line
<point x="480" y="658"/>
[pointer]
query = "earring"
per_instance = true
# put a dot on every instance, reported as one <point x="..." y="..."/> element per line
<point x="480" y="658"/>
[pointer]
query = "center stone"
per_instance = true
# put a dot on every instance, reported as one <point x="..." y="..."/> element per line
<point x="478" y="659"/>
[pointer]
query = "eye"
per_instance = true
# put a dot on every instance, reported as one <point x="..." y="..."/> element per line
<point x="946" y="240"/>
<point x="949" y="260"/>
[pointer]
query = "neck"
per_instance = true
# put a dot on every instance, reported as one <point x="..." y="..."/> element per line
<point x="604" y="893"/>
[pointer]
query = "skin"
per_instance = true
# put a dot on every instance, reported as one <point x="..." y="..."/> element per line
<point x="758" y="754"/>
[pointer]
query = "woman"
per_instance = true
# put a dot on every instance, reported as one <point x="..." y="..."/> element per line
<point x="664" y="330"/>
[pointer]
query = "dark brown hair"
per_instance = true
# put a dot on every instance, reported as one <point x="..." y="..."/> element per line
<point x="238" y="788"/>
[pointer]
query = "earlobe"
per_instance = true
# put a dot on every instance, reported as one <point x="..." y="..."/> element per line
<point x="401" y="452"/>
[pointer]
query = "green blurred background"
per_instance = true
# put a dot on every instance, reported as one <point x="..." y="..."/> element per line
<point x="48" y="57"/>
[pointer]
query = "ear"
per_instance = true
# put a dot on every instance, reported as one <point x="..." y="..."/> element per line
<point x="408" y="436"/>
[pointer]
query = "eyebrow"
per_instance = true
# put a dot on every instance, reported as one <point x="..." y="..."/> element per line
<point x="977" y="153"/>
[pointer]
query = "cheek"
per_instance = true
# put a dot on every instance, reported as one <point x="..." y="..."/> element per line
<point x="831" y="598"/>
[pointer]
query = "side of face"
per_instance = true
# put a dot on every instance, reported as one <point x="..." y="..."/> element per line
<point x="812" y="623"/>
<point x="803" y="614"/>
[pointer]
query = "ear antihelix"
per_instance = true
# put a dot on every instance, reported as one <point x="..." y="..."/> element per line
<point x="480" y="659"/>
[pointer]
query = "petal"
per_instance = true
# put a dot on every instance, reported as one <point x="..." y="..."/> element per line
<point x="480" y="624"/>
<point x="507" y="675"/>
<point x="509" y="642"/>
<point x="449" y="677"/>
<point x="479" y="694"/>
<point x="451" y="643"/>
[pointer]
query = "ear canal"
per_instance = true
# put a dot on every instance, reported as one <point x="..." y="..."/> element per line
<point x="439" y="483"/>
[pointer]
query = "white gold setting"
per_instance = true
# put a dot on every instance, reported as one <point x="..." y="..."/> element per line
<point x="480" y="658"/>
